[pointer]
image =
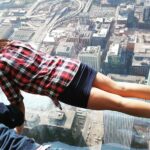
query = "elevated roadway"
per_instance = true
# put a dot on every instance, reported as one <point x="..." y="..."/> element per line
<point x="50" y="24"/>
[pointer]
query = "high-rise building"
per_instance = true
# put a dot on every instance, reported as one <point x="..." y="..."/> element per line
<point x="114" y="54"/>
<point x="101" y="35"/>
<point x="141" y="60"/>
<point x="146" y="13"/>
<point x="82" y="36"/>
<point x="116" y="59"/>
<point x="122" y="129"/>
<point x="91" y="56"/>
<point x="6" y="30"/>
<point x="127" y="133"/>
<point x="84" y="18"/>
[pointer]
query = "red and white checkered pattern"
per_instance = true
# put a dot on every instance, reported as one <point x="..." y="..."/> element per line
<point x="24" y="68"/>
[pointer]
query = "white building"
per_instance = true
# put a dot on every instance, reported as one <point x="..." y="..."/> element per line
<point x="66" y="49"/>
<point x="91" y="56"/>
<point x="113" y="54"/>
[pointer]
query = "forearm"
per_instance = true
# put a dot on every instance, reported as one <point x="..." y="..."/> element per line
<point x="21" y="107"/>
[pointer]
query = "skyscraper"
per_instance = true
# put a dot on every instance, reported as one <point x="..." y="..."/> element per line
<point x="146" y="13"/>
<point x="91" y="56"/>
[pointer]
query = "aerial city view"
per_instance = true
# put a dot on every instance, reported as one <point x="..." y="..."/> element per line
<point x="112" y="37"/>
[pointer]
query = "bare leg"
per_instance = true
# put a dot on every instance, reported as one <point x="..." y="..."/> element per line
<point x="123" y="89"/>
<point x="102" y="100"/>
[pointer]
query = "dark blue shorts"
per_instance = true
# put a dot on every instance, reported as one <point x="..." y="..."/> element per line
<point x="77" y="93"/>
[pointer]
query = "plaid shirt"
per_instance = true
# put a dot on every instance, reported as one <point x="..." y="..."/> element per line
<point x="24" y="68"/>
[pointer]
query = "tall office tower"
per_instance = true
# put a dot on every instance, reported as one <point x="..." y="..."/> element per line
<point x="91" y="56"/>
<point x="118" y="132"/>
<point x="84" y="18"/>
<point x="146" y="13"/>
<point x="101" y="35"/>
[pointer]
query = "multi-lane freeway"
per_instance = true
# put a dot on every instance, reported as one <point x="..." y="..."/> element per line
<point x="53" y="21"/>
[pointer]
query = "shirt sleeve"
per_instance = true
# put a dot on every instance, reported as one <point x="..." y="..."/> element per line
<point x="9" y="88"/>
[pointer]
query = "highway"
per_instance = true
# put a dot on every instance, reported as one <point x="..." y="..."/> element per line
<point x="88" y="5"/>
<point x="69" y="16"/>
<point x="54" y="21"/>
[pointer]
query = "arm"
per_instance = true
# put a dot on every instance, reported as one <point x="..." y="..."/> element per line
<point x="21" y="107"/>
<point x="12" y="93"/>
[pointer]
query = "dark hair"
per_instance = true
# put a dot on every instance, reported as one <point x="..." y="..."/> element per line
<point x="3" y="43"/>
<point x="10" y="115"/>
